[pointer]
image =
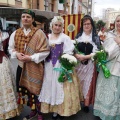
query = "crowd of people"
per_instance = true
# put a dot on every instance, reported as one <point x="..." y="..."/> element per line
<point x="39" y="68"/>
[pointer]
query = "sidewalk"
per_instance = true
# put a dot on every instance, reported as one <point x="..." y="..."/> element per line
<point x="81" y="115"/>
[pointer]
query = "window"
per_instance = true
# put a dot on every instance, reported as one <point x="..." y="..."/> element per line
<point x="46" y="5"/>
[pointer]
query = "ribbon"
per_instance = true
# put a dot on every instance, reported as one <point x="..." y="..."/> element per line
<point x="100" y="58"/>
<point x="64" y="73"/>
<point x="106" y="71"/>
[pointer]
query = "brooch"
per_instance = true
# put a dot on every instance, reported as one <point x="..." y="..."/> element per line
<point x="53" y="45"/>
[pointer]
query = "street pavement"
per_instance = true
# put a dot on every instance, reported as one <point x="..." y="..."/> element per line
<point x="81" y="115"/>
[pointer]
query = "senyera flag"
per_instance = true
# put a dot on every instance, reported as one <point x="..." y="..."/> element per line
<point x="72" y="24"/>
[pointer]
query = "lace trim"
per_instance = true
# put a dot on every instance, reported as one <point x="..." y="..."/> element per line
<point x="112" y="112"/>
<point x="52" y="91"/>
<point x="85" y="74"/>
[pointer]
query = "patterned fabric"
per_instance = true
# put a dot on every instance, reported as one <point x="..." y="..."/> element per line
<point x="90" y="97"/>
<point x="56" y="52"/>
<point x="86" y="70"/>
<point x="8" y="103"/>
<point x="85" y="74"/>
<point x="107" y="99"/>
<point x="62" y="98"/>
<point x="113" y="51"/>
<point x="32" y="73"/>
<point x="21" y="40"/>
<point x="72" y="98"/>
<point x="24" y="96"/>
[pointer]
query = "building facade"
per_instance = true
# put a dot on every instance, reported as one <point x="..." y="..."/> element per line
<point x="109" y="16"/>
<point x="10" y="11"/>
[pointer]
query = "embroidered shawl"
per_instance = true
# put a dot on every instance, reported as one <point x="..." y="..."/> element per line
<point x="32" y="73"/>
<point x="113" y="50"/>
<point x="21" y="40"/>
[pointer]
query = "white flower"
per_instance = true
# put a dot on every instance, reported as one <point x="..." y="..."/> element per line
<point x="70" y="58"/>
<point x="65" y="56"/>
<point x="74" y="41"/>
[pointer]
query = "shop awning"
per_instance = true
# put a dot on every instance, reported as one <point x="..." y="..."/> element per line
<point x="10" y="12"/>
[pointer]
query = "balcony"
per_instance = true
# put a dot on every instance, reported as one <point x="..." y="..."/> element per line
<point x="18" y="3"/>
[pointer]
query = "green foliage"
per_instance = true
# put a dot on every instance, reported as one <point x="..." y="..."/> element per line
<point x="61" y="1"/>
<point x="66" y="64"/>
<point x="99" y="24"/>
<point x="101" y="59"/>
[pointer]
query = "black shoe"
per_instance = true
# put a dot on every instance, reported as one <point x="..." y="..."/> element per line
<point x="54" y="117"/>
<point x="61" y="117"/>
<point x="86" y="109"/>
<point x="58" y="116"/>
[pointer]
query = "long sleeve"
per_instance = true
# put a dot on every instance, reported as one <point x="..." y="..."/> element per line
<point x="113" y="50"/>
<point x="11" y="47"/>
<point x="68" y="45"/>
<point x="111" y="47"/>
<point x="36" y="57"/>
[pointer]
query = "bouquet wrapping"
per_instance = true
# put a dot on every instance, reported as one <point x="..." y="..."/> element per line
<point x="68" y="63"/>
<point x="101" y="59"/>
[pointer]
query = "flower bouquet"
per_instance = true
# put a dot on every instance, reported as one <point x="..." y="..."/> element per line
<point x="101" y="59"/>
<point x="68" y="62"/>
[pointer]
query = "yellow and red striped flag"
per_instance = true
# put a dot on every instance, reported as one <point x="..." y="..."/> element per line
<point x="72" y="24"/>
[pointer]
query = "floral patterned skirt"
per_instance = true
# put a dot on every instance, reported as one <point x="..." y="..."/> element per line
<point x="8" y="104"/>
<point x="72" y="97"/>
<point x="107" y="98"/>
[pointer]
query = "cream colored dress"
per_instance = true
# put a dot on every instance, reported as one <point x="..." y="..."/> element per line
<point x="62" y="98"/>
<point x="8" y="102"/>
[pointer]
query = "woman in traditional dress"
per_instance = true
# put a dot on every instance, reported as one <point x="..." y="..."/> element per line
<point x="107" y="98"/>
<point x="88" y="43"/>
<point x="60" y="98"/>
<point x="8" y="104"/>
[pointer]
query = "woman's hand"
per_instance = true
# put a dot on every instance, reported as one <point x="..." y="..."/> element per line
<point x="80" y="57"/>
